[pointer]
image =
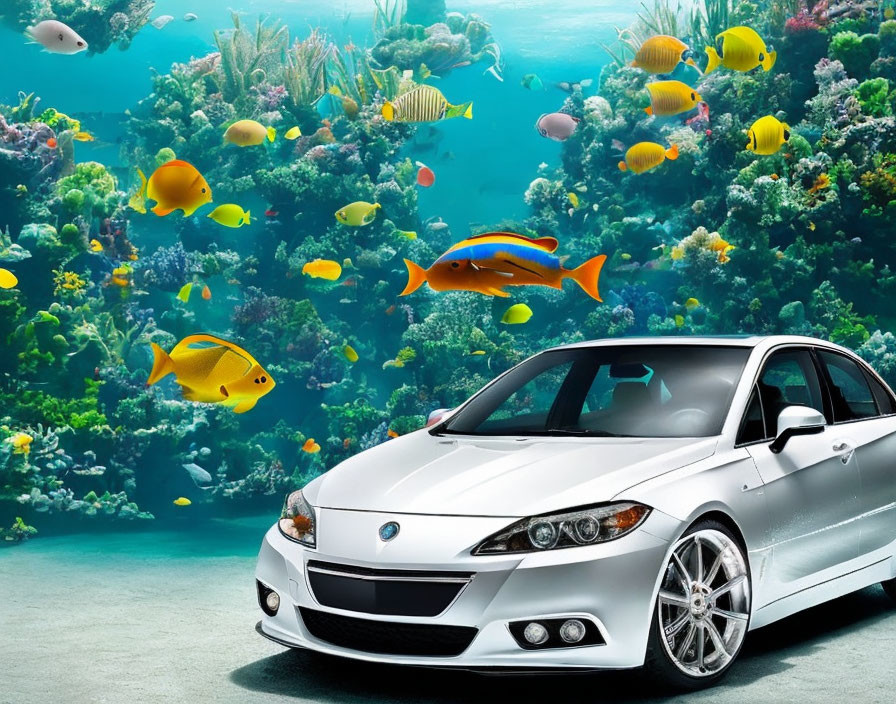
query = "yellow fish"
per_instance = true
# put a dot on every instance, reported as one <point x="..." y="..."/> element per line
<point x="21" y="443"/>
<point x="358" y="213"/>
<point x="182" y="501"/>
<point x="739" y="49"/>
<point x="310" y="446"/>
<point x="767" y="135"/>
<point x="212" y="370"/>
<point x="573" y="199"/>
<point x="176" y="185"/>
<point x="644" y="156"/>
<point x="625" y="256"/>
<point x="184" y="293"/>
<point x="424" y="104"/>
<point x="83" y="137"/>
<point x="407" y="234"/>
<point x="671" y="98"/>
<point x="293" y="133"/>
<point x="8" y="279"/>
<point x="516" y="315"/>
<point x="249" y="133"/>
<point x="661" y="54"/>
<point x="350" y="354"/>
<point x="477" y="353"/>
<point x="96" y="246"/>
<point x="323" y="269"/>
<point x="231" y="215"/>
<point x="391" y="433"/>
<point x="679" y="321"/>
<point x="691" y="303"/>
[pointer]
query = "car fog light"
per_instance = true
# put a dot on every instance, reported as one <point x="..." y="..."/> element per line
<point x="543" y="534"/>
<point x="535" y="633"/>
<point x="572" y="631"/>
<point x="273" y="601"/>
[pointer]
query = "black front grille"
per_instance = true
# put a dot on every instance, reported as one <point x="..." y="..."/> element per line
<point x="384" y="592"/>
<point x="388" y="638"/>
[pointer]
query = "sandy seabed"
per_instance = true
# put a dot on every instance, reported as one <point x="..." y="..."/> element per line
<point x="169" y="616"/>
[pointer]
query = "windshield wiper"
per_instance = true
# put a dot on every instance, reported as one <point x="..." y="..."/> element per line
<point x="573" y="432"/>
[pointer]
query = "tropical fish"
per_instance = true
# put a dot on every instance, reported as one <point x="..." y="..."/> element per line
<point x="184" y="293"/>
<point x="83" y="137"/>
<point x="489" y="262"/>
<point x="57" y="37"/>
<point x="310" y="446"/>
<point x="8" y="279"/>
<point x="532" y="82"/>
<point x="477" y="353"/>
<point x="212" y="370"/>
<point x="121" y="276"/>
<point x="556" y="125"/>
<point x="517" y="314"/>
<point x="21" y="443"/>
<point x="191" y="17"/>
<point x="206" y="293"/>
<point x="96" y="246"/>
<point x="424" y="104"/>
<point x="292" y="134"/>
<point x="425" y="175"/>
<point x="197" y="473"/>
<point x="679" y="321"/>
<point x="358" y="213"/>
<point x="391" y="309"/>
<point x="162" y="21"/>
<point x="407" y="234"/>
<point x="671" y="98"/>
<point x="644" y="156"/>
<point x="391" y="433"/>
<point x="52" y="143"/>
<point x="323" y="269"/>
<point x="740" y="49"/>
<point x="573" y="199"/>
<point x="249" y="133"/>
<point x="661" y="54"/>
<point x="350" y="354"/>
<point x="819" y="184"/>
<point x="176" y="185"/>
<point x="767" y="135"/>
<point x="182" y="501"/>
<point x="691" y="304"/>
<point x="231" y="215"/>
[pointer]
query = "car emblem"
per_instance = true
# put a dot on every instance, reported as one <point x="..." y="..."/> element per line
<point x="388" y="531"/>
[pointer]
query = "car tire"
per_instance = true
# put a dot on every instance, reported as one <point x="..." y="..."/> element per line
<point x="890" y="588"/>
<point x="699" y="625"/>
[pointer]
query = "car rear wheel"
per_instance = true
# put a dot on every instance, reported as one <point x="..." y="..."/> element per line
<point x="890" y="588"/>
<point x="702" y="611"/>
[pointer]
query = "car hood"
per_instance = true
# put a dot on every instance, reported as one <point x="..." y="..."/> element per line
<point x="424" y="474"/>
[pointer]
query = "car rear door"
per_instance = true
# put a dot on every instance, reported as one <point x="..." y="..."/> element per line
<point x="864" y="411"/>
<point x="812" y="485"/>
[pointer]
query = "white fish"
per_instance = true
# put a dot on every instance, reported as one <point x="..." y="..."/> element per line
<point x="56" y="37"/>
<point x="191" y="17"/>
<point x="198" y="474"/>
<point x="160" y="22"/>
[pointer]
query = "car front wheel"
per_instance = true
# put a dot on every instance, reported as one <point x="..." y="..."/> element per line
<point x="702" y="610"/>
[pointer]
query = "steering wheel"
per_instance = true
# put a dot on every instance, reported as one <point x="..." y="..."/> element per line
<point x="688" y="417"/>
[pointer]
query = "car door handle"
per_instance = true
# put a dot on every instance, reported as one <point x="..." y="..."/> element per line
<point x="842" y="447"/>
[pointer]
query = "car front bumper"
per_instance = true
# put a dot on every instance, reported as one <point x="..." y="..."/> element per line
<point x="613" y="585"/>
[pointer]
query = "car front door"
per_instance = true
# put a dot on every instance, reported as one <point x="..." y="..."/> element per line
<point x="864" y="410"/>
<point x="812" y="485"/>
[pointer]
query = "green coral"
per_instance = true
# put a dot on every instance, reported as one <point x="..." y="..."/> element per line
<point x="90" y="191"/>
<point x="875" y="97"/>
<point x="855" y="52"/>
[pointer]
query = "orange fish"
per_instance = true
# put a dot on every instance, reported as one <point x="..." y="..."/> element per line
<point x="52" y="143"/>
<point x="390" y="310"/>
<point x="391" y="433"/>
<point x="487" y="263"/>
<point x="310" y="446"/>
<point x="347" y="443"/>
<point x="671" y="98"/>
<point x="176" y="185"/>
<point x="206" y="293"/>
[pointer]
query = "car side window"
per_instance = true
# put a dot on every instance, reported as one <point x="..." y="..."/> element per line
<point x="752" y="427"/>
<point x="885" y="403"/>
<point x="851" y="396"/>
<point x="788" y="379"/>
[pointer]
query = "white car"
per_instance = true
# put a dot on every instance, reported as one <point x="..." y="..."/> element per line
<point x="609" y="504"/>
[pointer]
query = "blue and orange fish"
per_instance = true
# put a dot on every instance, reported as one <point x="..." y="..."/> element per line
<point x="487" y="263"/>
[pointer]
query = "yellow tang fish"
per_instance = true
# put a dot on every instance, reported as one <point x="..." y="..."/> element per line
<point x="739" y="49"/>
<point x="231" y="215"/>
<point x="407" y="234"/>
<point x="212" y="370"/>
<point x="671" y="98"/>
<point x="661" y="54"/>
<point x="184" y="293"/>
<point x="358" y="213"/>
<point x="517" y="315"/>
<point x="424" y="104"/>
<point x="767" y="135"/>
<point x="645" y="156"/>
<point x="691" y="304"/>
<point x="8" y="279"/>
<point x="182" y="501"/>
<point x="21" y="443"/>
<point x="350" y="354"/>
<point x="176" y="185"/>
<point x="83" y="137"/>
<point x="323" y="269"/>
<point x="96" y="246"/>
<point x="487" y="263"/>
<point x="249" y="133"/>
<point x="573" y="199"/>
<point x="293" y="133"/>
<point x="477" y="353"/>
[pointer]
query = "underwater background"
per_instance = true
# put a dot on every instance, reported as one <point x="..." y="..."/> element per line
<point x="720" y="240"/>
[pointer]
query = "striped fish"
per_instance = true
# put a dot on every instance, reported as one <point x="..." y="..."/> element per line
<point x="660" y="54"/>
<point x="671" y="98"/>
<point x="424" y="104"/>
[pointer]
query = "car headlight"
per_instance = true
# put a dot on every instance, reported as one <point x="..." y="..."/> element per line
<point x="585" y="526"/>
<point x="297" y="520"/>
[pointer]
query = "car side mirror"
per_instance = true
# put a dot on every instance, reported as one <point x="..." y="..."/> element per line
<point x="437" y="416"/>
<point x="796" y="420"/>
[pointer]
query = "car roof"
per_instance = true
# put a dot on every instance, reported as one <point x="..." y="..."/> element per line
<point x="764" y="341"/>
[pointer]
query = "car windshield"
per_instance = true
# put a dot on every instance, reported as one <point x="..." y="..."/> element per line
<point x="609" y="391"/>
